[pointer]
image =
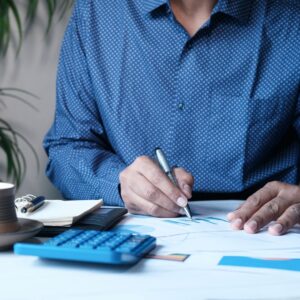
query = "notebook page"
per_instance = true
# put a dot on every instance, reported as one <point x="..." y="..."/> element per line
<point x="54" y="211"/>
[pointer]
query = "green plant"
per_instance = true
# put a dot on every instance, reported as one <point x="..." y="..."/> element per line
<point x="9" y="138"/>
<point x="10" y="12"/>
<point x="9" y="16"/>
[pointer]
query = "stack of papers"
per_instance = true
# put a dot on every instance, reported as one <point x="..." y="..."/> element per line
<point x="62" y="213"/>
<point x="209" y="233"/>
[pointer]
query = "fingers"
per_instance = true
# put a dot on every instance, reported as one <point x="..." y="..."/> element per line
<point x="138" y="205"/>
<point x="269" y="212"/>
<point x="239" y="217"/>
<point x="150" y="170"/>
<point x="185" y="181"/>
<point x="146" y="189"/>
<point x="142" y="187"/>
<point x="275" y="201"/>
<point x="287" y="220"/>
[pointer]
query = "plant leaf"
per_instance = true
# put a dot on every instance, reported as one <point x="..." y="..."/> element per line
<point x="19" y="90"/>
<point x="12" y="96"/>
<point x="51" y="5"/>
<point x="7" y="6"/>
<point x="16" y="14"/>
<point x="31" y="10"/>
<point x="16" y="163"/>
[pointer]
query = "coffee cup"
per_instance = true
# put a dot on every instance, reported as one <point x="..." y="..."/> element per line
<point x="8" y="216"/>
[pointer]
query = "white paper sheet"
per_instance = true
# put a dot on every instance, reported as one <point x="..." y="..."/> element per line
<point x="209" y="232"/>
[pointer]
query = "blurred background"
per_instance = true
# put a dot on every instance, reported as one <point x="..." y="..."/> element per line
<point x="29" y="64"/>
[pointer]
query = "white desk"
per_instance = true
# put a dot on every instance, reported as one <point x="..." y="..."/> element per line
<point x="198" y="277"/>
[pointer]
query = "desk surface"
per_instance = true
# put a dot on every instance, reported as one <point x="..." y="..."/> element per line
<point x="147" y="280"/>
<point x="199" y="277"/>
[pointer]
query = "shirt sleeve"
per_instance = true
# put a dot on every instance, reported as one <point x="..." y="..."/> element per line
<point x="297" y="117"/>
<point x="82" y="164"/>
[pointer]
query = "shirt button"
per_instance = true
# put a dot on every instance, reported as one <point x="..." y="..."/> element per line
<point x="180" y="105"/>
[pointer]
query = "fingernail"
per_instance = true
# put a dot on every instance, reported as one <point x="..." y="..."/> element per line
<point x="251" y="226"/>
<point x="182" y="201"/>
<point x="277" y="228"/>
<point x="230" y="216"/>
<point x="237" y="223"/>
<point x="187" y="189"/>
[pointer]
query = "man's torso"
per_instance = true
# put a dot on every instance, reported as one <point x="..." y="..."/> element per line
<point x="222" y="104"/>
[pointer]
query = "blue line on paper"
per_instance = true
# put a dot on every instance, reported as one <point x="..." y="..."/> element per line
<point x="218" y="219"/>
<point x="203" y="219"/>
<point x="176" y="222"/>
<point x="188" y="222"/>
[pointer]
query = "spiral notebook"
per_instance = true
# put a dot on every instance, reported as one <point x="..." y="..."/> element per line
<point x="62" y="212"/>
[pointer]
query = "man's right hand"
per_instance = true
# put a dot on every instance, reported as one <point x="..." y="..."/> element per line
<point x="146" y="189"/>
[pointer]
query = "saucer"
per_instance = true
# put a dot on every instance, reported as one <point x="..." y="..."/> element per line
<point x="28" y="228"/>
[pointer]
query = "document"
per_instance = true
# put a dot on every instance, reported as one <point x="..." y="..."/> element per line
<point x="209" y="232"/>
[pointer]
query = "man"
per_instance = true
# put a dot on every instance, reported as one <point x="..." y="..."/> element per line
<point x="213" y="83"/>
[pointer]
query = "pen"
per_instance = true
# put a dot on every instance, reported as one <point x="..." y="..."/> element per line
<point x="162" y="160"/>
<point x="33" y="204"/>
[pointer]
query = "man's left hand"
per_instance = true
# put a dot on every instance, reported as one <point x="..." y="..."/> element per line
<point x="276" y="201"/>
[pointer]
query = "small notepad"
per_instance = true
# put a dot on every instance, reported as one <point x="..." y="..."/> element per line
<point x="62" y="213"/>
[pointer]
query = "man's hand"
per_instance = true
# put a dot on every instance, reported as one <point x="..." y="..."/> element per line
<point x="146" y="189"/>
<point x="276" y="201"/>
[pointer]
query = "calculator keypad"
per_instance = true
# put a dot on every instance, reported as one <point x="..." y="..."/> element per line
<point x="97" y="240"/>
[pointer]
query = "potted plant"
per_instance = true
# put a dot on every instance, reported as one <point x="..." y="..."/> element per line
<point x="15" y="161"/>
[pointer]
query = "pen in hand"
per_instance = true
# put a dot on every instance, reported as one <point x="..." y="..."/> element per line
<point x="161" y="158"/>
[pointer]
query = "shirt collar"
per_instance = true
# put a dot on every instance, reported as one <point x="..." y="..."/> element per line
<point x="150" y="5"/>
<point x="239" y="9"/>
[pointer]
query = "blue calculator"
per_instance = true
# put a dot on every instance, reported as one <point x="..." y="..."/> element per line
<point x="95" y="246"/>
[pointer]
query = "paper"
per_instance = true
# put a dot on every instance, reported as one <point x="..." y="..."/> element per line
<point x="209" y="232"/>
<point x="61" y="213"/>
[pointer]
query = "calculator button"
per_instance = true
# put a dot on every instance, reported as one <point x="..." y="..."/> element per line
<point x="62" y="238"/>
<point x="138" y="239"/>
<point x="126" y="247"/>
<point x="110" y="245"/>
<point x="53" y="242"/>
<point x="86" y="246"/>
<point x="97" y="241"/>
<point x="89" y="234"/>
<point x="73" y="242"/>
<point x="70" y="244"/>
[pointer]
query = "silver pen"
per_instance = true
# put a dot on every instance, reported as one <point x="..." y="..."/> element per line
<point x="162" y="160"/>
<point x="33" y="204"/>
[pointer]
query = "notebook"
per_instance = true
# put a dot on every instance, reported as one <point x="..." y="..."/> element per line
<point x="103" y="218"/>
<point x="62" y="213"/>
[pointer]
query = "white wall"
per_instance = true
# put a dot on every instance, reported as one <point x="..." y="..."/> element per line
<point x="35" y="71"/>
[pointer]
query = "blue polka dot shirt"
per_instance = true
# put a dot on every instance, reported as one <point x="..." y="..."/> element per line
<point x="223" y="104"/>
